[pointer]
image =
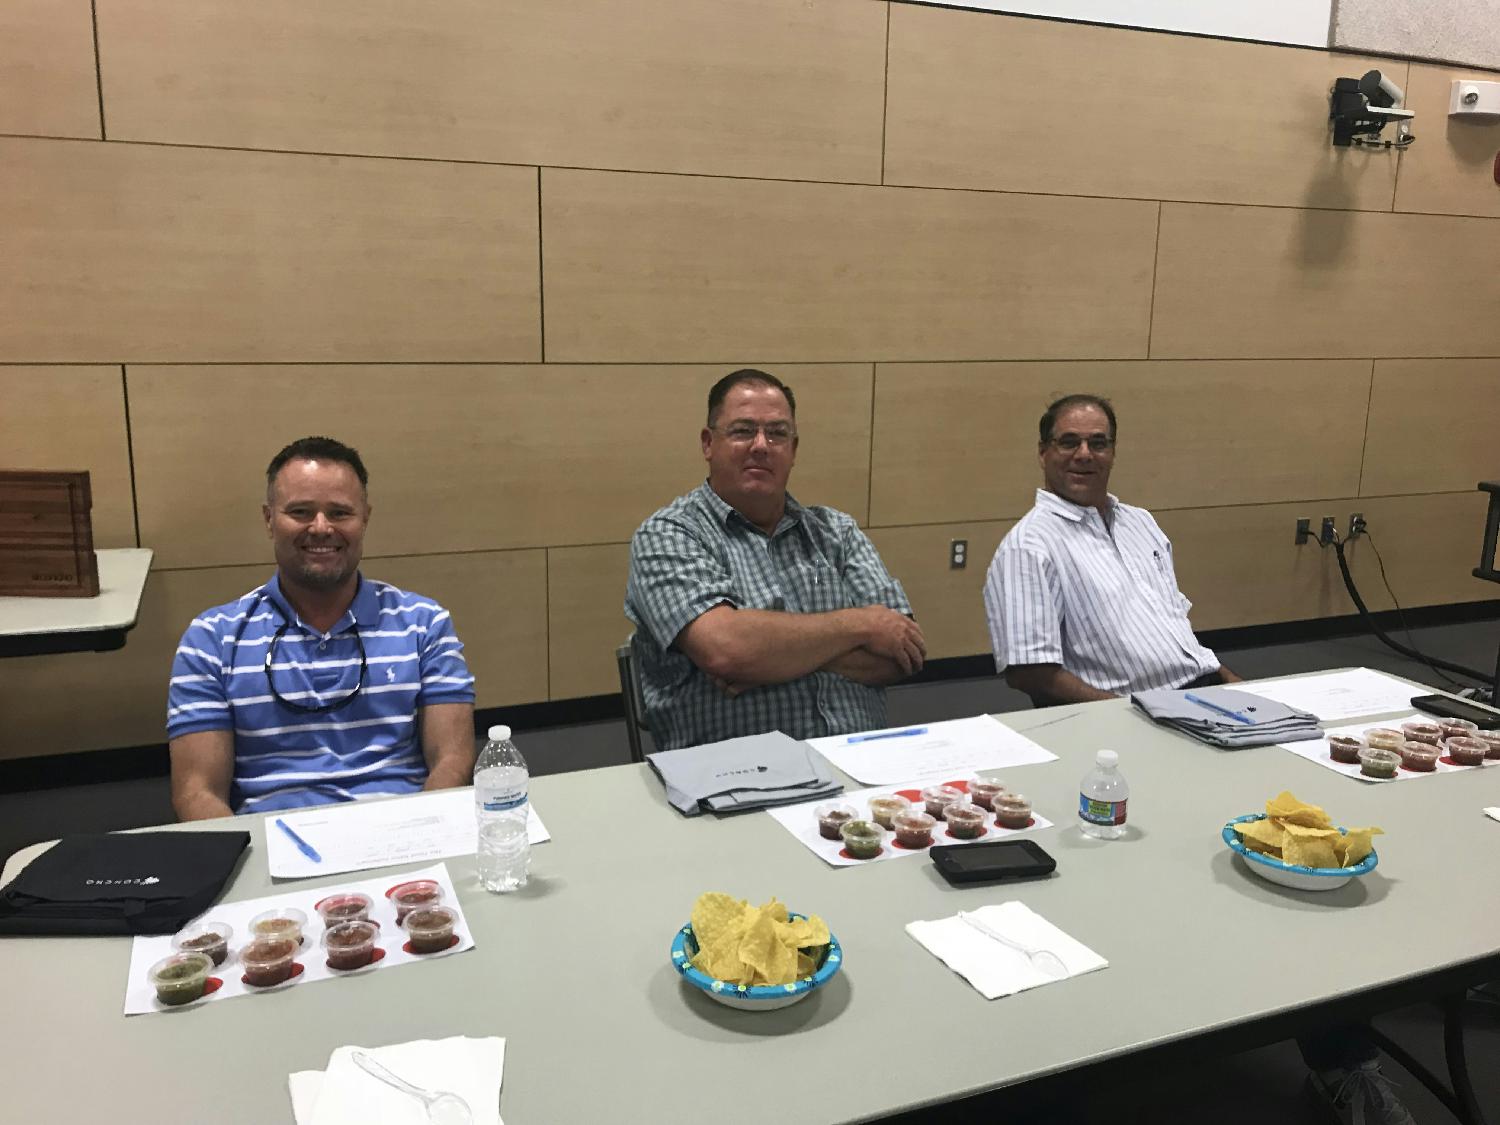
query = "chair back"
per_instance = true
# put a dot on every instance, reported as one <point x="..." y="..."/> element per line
<point x="630" y="693"/>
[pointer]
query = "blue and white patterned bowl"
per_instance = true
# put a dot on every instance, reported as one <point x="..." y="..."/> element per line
<point x="1294" y="875"/>
<point x="760" y="997"/>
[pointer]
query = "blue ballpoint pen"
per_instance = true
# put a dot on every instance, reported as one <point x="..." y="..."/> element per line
<point x="907" y="733"/>
<point x="1212" y="706"/>
<point x="302" y="845"/>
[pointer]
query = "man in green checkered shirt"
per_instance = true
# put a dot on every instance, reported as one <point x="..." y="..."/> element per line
<point x="754" y="613"/>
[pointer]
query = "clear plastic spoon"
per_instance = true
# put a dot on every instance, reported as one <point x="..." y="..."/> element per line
<point x="1044" y="959"/>
<point x="443" y="1108"/>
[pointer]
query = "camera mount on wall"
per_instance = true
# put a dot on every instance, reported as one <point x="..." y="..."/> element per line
<point x="1359" y="108"/>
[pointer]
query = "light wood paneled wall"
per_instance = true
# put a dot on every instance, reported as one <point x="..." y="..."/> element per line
<point x="1455" y="176"/>
<point x="686" y="268"/>
<point x="775" y="88"/>
<point x="149" y="254"/>
<point x="1109" y="111"/>
<point x="1268" y="282"/>
<point x="462" y="458"/>
<point x="1434" y="426"/>
<point x="73" y="418"/>
<point x="47" y="79"/>
<point x="1191" y="433"/>
<point x="506" y="247"/>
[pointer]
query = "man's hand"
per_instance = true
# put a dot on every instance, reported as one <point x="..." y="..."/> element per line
<point x="729" y="689"/>
<point x="1051" y="684"/>
<point x="894" y="636"/>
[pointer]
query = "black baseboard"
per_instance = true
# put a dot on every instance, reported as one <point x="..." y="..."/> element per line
<point x="131" y="762"/>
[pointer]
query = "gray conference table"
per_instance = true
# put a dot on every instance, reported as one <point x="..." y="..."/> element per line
<point x="574" y="970"/>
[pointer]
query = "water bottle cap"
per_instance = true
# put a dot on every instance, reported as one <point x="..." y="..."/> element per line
<point x="499" y="733"/>
<point x="1107" y="758"/>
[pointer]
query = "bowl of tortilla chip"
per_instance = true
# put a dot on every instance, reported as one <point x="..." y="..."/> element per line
<point x="1296" y="845"/>
<point x="754" y="958"/>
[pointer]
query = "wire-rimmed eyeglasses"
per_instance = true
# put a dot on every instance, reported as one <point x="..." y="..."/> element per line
<point x="316" y="708"/>
<point x="743" y="433"/>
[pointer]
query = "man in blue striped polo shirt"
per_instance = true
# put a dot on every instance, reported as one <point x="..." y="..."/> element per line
<point x="1081" y="597"/>
<point x="321" y="685"/>
<point x="754" y="613"/>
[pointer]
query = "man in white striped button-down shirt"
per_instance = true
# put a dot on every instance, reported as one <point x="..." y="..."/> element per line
<point x="320" y="685"/>
<point x="1081" y="597"/>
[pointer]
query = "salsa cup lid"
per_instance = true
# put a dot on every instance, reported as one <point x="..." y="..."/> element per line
<point x="223" y="931"/>
<point x="339" y="933"/>
<point x="198" y="964"/>
<point x="429" y="920"/>
<point x="286" y="913"/>
<point x="268" y="951"/>
<point x="426" y="889"/>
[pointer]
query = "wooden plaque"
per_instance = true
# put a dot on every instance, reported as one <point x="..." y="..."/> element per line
<point x="47" y="535"/>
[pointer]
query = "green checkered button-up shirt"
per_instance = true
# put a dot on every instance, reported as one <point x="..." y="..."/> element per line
<point x="697" y="553"/>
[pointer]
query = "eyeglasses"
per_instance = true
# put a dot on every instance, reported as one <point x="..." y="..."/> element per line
<point x="743" y="433"/>
<point x="1069" y="443"/>
<point x="317" y="708"/>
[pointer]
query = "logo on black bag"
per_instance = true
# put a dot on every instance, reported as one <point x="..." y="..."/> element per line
<point x="145" y="881"/>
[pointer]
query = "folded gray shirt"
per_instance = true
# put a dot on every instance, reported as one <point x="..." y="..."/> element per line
<point x="739" y="774"/>
<point x="1262" y="723"/>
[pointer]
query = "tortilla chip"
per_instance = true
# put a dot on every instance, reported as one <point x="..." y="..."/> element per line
<point x="1287" y="809"/>
<point x="1266" y="833"/>
<point x="1310" y="851"/>
<point x="1355" y="845"/>
<point x="746" y="945"/>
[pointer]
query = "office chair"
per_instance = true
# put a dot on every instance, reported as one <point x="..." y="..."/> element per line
<point x="635" y="707"/>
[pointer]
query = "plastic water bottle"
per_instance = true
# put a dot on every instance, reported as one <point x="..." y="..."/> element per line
<point x="501" y="809"/>
<point x="1102" y="797"/>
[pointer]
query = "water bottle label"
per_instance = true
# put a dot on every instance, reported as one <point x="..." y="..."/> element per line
<point x="1100" y="812"/>
<point x="504" y="802"/>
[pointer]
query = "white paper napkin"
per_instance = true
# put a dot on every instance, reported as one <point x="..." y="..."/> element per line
<point x="1493" y="814"/>
<point x="346" y="1095"/>
<point x="994" y="968"/>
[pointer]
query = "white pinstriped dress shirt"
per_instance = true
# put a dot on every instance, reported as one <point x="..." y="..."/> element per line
<point x="1103" y="602"/>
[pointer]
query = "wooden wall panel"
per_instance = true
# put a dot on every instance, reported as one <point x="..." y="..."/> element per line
<point x="958" y="441"/>
<point x="586" y="617"/>
<point x="497" y="601"/>
<point x="463" y="457"/>
<point x="1455" y="173"/>
<point x="1240" y="566"/>
<point x="143" y="253"/>
<point x="72" y="418"/>
<point x="682" y="268"/>
<point x="1001" y="103"/>
<point x="1273" y="282"/>
<point x="777" y="88"/>
<point x="1434" y="426"/>
<point x="948" y="604"/>
<point x="48" y="86"/>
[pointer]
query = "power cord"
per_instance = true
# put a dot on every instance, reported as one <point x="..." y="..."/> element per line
<point x="1411" y="652"/>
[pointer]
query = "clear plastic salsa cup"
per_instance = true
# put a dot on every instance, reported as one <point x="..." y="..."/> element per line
<point x="180" y="978"/>
<point x="1342" y="748"/>
<point x="1012" y="810"/>
<point x="886" y="807"/>
<point x="1429" y="733"/>
<point x="346" y="906"/>
<point x="965" y="820"/>
<point x="914" y="828"/>
<point x="406" y="897"/>
<point x="833" y="816"/>
<point x="209" y="938"/>
<point x="1376" y="761"/>
<point x="936" y="798"/>
<point x="350" y="945"/>
<point x="268" y="961"/>
<point x="1420" y="757"/>
<point x="429" y="929"/>
<point x="1384" y="738"/>
<point x="983" y="793"/>
<point x="1466" y="751"/>
<point x="863" y="839"/>
<point x="284" y="922"/>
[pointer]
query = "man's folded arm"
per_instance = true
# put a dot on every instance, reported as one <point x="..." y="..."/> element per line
<point x="752" y="647"/>
<point x="864" y="667"/>
<point x="202" y="769"/>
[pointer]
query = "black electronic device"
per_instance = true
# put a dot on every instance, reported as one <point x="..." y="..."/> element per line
<point x="1442" y="705"/>
<point x="992" y="862"/>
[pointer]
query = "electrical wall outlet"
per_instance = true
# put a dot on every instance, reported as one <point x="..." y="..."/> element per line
<point x="1304" y="531"/>
<point x="1356" y="526"/>
<point x="958" y="554"/>
<point x="1326" y="533"/>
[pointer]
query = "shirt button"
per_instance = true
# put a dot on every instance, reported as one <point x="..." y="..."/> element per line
<point x="322" y="645"/>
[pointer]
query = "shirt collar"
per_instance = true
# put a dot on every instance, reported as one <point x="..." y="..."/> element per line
<point x="724" y="512"/>
<point x="1052" y="502"/>
<point x="364" y="610"/>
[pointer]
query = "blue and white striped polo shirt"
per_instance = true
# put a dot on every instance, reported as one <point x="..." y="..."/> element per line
<point x="1101" y="600"/>
<point x="284" y="758"/>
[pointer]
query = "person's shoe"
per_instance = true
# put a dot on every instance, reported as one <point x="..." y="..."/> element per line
<point x="1362" y="1095"/>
